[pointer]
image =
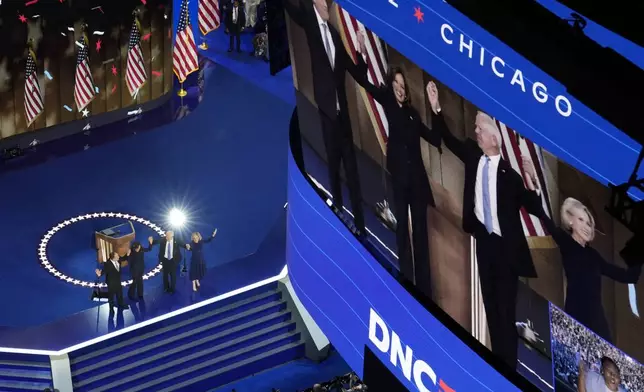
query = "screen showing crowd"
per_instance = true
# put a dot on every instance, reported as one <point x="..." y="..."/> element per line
<point x="482" y="221"/>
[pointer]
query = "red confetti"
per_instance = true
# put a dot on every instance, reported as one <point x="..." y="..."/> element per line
<point x="419" y="15"/>
<point x="32" y="2"/>
<point x="146" y="37"/>
<point x="22" y="18"/>
<point x="156" y="73"/>
<point x="99" y="44"/>
<point x="114" y="71"/>
<point x="113" y="89"/>
<point x="145" y="2"/>
<point x="61" y="1"/>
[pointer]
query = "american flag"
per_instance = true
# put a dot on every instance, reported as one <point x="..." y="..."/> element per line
<point x="514" y="147"/>
<point x="135" y="75"/>
<point x="209" y="16"/>
<point x="185" y="60"/>
<point x="378" y="68"/>
<point x="34" y="103"/>
<point x="84" y="88"/>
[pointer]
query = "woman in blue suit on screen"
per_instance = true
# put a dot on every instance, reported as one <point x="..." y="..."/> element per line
<point x="197" y="261"/>
<point x="410" y="184"/>
<point x="583" y="265"/>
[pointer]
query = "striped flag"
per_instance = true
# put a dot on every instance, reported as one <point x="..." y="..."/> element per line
<point x="514" y="147"/>
<point x="378" y="68"/>
<point x="209" y="16"/>
<point x="34" y="102"/>
<point x="84" y="88"/>
<point x="185" y="60"/>
<point x="135" y="75"/>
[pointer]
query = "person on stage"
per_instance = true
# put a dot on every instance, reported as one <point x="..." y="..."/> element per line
<point x="583" y="265"/>
<point x="492" y="199"/>
<point x="329" y="63"/>
<point x="411" y="188"/>
<point x="112" y="272"/>
<point x="235" y="22"/>
<point x="169" y="257"/>
<point x="197" y="261"/>
<point x="136" y="259"/>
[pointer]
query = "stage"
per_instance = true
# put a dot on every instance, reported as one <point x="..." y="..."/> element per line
<point x="225" y="169"/>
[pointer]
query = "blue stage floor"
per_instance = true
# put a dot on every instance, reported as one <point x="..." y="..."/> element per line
<point x="225" y="164"/>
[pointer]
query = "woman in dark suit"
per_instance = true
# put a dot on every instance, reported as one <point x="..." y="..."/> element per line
<point x="411" y="188"/>
<point x="583" y="265"/>
<point x="197" y="261"/>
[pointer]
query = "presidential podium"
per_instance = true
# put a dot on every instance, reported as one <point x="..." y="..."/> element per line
<point x="114" y="239"/>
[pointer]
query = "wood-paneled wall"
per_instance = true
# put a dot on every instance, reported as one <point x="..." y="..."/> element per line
<point x="56" y="51"/>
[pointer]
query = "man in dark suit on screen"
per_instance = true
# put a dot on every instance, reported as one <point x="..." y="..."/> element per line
<point x="169" y="257"/>
<point x="329" y="63"/>
<point x="112" y="273"/>
<point x="235" y="22"/>
<point x="492" y="199"/>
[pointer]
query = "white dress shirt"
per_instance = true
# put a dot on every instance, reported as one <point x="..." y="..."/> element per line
<point x="116" y="265"/>
<point x="168" y="250"/>
<point x="478" y="192"/>
<point x="327" y="38"/>
<point x="235" y="11"/>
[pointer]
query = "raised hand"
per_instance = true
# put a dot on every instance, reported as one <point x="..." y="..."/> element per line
<point x="151" y="240"/>
<point x="188" y="246"/>
<point x="214" y="233"/>
<point x="531" y="173"/>
<point x="432" y="95"/>
<point x="98" y="272"/>
<point x="129" y="252"/>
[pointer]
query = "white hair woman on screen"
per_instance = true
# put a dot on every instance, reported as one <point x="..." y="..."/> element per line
<point x="583" y="265"/>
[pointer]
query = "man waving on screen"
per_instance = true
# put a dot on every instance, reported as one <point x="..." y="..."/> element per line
<point x="329" y="64"/>
<point x="492" y="199"/>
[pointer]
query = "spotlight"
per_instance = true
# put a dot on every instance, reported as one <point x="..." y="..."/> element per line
<point x="176" y="218"/>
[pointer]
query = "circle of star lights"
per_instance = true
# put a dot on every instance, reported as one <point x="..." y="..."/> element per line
<point x="44" y="260"/>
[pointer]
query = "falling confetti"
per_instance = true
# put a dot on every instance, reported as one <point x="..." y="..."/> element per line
<point x="48" y="75"/>
<point x="108" y="61"/>
<point x="68" y="108"/>
<point x="70" y="28"/>
<point x="22" y="18"/>
<point x="96" y="88"/>
<point x="35" y="17"/>
<point x="113" y="89"/>
<point x="98" y="32"/>
<point x="99" y="44"/>
<point x="98" y="8"/>
<point x="32" y="2"/>
<point x="63" y="34"/>
<point x="114" y="70"/>
<point x="146" y="37"/>
<point x="79" y="45"/>
<point x="156" y="73"/>
<point x="85" y="112"/>
<point x="145" y="2"/>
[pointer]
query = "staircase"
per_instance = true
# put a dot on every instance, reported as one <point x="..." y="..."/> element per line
<point x="21" y="372"/>
<point x="195" y="351"/>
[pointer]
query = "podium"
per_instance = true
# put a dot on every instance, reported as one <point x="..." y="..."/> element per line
<point x="114" y="239"/>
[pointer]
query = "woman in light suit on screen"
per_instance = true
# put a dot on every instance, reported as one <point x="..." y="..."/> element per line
<point x="583" y="265"/>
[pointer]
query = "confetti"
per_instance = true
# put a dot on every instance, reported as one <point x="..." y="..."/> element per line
<point x="146" y="37"/>
<point x="113" y="89"/>
<point x="156" y="73"/>
<point x="70" y="29"/>
<point x="134" y="119"/>
<point x="98" y="32"/>
<point x="68" y="108"/>
<point x="48" y="75"/>
<point x="85" y="112"/>
<point x="114" y="70"/>
<point x="96" y="88"/>
<point x="63" y="34"/>
<point x="22" y="18"/>
<point x="32" y="2"/>
<point x="79" y="44"/>
<point x="99" y="44"/>
<point x="98" y="8"/>
<point x="108" y="61"/>
<point x="145" y="2"/>
<point x="35" y="17"/>
<point x="87" y="127"/>
<point x="134" y="112"/>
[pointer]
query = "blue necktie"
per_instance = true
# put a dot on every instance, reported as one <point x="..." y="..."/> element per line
<point x="487" y="206"/>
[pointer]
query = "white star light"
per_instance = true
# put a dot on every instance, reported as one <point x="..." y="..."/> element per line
<point x="85" y="112"/>
<point x="42" y="247"/>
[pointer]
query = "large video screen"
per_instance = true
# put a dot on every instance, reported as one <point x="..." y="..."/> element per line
<point x="483" y="222"/>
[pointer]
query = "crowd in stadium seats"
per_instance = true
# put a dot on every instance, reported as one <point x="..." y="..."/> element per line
<point x="347" y="383"/>
<point x="572" y="342"/>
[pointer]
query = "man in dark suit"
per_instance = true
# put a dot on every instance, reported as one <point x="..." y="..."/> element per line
<point x="136" y="260"/>
<point x="112" y="272"/>
<point x="329" y="63"/>
<point x="169" y="257"/>
<point x="235" y="22"/>
<point x="493" y="196"/>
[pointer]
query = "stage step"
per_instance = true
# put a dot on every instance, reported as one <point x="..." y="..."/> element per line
<point x="205" y="347"/>
<point x="22" y="372"/>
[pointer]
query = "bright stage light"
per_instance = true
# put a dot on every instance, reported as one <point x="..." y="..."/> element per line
<point x="176" y="218"/>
